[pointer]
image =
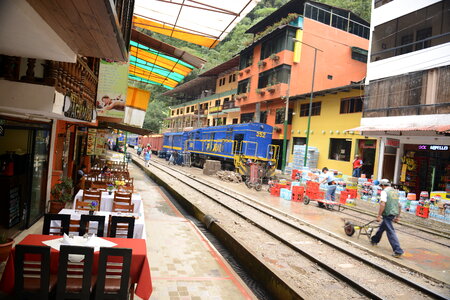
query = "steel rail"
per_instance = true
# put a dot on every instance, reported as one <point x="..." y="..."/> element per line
<point x="352" y="283"/>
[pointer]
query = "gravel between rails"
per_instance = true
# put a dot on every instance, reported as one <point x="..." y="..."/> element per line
<point x="306" y="276"/>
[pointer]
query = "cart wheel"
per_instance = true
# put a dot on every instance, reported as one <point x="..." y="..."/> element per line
<point x="329" y="206"/>
<point x="349" y="229"/>
<point x="258" y="187"/>
<point x="306" y="200"/>
<point x="248" y="184"/>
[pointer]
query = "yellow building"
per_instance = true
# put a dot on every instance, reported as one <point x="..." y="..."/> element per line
<point x="333" y="112"/>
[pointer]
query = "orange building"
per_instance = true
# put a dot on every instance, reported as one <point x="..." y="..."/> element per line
<point x="279" y="63"/>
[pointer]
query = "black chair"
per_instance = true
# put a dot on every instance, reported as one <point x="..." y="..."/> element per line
<point x="32" y="279"/>
<point x="87" y="219"/>
<point x="113" y="278"/>
<point x="75" y="279"/>
<point x="56" y="230"/>
<point x="121" y="227"/>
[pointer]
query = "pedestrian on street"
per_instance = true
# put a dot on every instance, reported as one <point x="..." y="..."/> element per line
<point x="331" y="181"/>
<point x="357" y="165"/>
<point x="139" y="150"/>
<point x="390" y="211"/>
<point x="147" y="158"/>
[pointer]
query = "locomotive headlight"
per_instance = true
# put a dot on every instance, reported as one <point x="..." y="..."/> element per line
<point x="262" y="127"/>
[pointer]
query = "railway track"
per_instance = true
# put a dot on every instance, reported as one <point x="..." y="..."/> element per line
<point x="325" y="252"/>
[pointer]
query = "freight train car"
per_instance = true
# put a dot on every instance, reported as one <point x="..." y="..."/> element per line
<point x="154" y="140"/>
<point x="237" y="146"/>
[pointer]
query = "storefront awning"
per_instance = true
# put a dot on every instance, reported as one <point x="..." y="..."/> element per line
<point x="125" y="127"/>
<point x="441" y="129"/>
<point x="201" y="22"/>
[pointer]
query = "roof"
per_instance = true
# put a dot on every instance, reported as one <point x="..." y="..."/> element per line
<point x="345" y="88"/>
<point x="442" y="129"/>
<point x="202" y="22"/>
<point x="232" y="63"/>
<point x="125" y="127"/>
<point x="209" y="81"/>
<point x="297" y="6"/>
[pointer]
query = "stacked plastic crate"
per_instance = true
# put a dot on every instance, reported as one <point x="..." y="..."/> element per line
<point x="298" y="158"/>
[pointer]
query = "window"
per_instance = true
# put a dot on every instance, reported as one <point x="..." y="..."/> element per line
<point x="173" y="112"/>
<point x="247" y="118"/>
<point x="263" y="117"/>
<point x="246" y="59"/>
<point x="351" y="105"/>
<point x="178" y="111"/>
<point x="234" y="77"/>
<point x="235" y="121"/>
<point x="187" y="109"/>
<point x="230" y="78"/>
<point x="243" y="86"/>
<point x="406" y="39"/>
<point x="421" y="35"/>
<point x="224" y="120"/>
<point x="205" y="105"/>
<point x="315" y="109"/>
<point x="359" y="54"/>
<point x="298" y="141"/>
<point x="192" y="108"/>
<point x="340" y="149"/>
<point x="273" y="76"/>
<point x="278" y="43"/>
<point x="279" y="117"/>
<point x="217" y="102"/>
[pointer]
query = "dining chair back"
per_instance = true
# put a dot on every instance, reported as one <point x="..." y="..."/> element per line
<point x="92" y="196"/>
<point x="99" y="185"/>
<point x="32" y="277"/>
<point x="83" y="205"/>
<point x="86" y="224"/>
<point x="124" y="188"/>
<point x="113" y="279"/>
<point x="74" y="227"/>
<point x="121" y="227"/>
<point x="122" y="197"/>
<point x="75" y="279"/>
<point x="123" y="208"/>
<point x="52" y="229"/>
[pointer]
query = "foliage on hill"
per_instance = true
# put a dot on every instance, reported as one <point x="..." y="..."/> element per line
<point x="229" y="47"/>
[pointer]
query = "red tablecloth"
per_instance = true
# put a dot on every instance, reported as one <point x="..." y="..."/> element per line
<point x="139" y="272"/>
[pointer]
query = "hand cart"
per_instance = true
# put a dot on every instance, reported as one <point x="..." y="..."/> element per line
<point x="313" y="193"/>
<point x="256" y="177"/>
<point x="367" y="229"/>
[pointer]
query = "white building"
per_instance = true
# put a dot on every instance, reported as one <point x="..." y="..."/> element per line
<point x="407" y="101"/>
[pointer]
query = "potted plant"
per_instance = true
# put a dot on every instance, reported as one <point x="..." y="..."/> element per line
<point x="261" y="63"/>
<point x="93" y="207"/>
<point x="277" y="129"/>
<point x="110" y="188"/>
<point x="5" y="246"/>
<point x="274" y="57"/>
<point x="270" y="89"/>
<point x="260" y="91"/>
<point x="61" y="194"/>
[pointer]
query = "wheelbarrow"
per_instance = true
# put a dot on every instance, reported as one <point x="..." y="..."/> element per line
<point x="367" y="229"/>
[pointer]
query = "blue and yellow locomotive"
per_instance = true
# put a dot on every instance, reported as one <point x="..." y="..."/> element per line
<point x="236" y="146"/>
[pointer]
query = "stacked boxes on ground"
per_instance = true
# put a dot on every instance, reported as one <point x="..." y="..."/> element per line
<point x="298" y="158"/>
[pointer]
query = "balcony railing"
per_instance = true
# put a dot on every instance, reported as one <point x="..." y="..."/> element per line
<point x="77" y="79"/>
<point x="229" y="105"/>
<point x="215" y="109"/>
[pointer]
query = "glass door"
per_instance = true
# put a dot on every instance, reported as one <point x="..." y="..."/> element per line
<point x="39" y="175"/>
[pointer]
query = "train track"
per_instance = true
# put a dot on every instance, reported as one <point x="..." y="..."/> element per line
<point x="279" y="227"/>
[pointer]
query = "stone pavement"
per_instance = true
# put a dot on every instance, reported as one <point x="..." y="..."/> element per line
<point x="184" y="265"/>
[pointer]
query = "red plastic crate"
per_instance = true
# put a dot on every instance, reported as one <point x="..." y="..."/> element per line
<point x="298" y="189"/>
<point x="282" y="186"/>
<point x="353" y="193"/>
<point x="297" y="197"/>
<point x="344" y="197"/>
<point x="294" y="173"/>
<point x="422" y="211"/>
<point x="275" y="191"/>
<point x="312" y="186"/>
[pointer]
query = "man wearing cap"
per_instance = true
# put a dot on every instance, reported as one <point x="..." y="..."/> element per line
<point x="357" y="165"/>
<point x="390" y="211"/>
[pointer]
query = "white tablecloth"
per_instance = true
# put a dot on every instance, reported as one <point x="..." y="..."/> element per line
<point x="139" y="224"/>
<point x="107" y="201"/>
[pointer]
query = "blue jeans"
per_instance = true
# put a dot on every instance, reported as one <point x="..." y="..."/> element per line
<point x="331" y="192"/>
<point x="387" y="226"/>
<point x="356" y="172"/>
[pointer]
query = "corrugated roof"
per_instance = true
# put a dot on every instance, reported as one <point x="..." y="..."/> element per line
<point x="232" y="63"/>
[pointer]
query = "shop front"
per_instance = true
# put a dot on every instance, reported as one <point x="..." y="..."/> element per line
<point x="425" y="167"/>
<point x="24" y="162"/>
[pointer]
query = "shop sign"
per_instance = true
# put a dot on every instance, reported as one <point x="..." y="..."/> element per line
<point x="393" y="143"/>
<point x="433" y="147"/>
<point x="76" y="108"/>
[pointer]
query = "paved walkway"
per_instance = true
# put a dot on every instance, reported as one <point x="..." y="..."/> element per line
<point x="184" y="265"/>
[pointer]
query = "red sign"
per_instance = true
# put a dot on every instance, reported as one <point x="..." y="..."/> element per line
<point x="393" y="143"/>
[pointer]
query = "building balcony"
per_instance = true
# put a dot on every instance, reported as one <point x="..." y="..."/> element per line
<point x="417" y="93"/>
<point x="57" y="89"/>
<point x="215" y="109"/>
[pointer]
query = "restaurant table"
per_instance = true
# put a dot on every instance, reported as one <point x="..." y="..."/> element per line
<point x="107" y="201"/>
<point x="139" y="271"/>
<point x="138" y="222"/>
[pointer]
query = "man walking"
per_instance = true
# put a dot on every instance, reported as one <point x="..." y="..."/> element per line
<point x="390" y="211"/>
<point x="357" y="165"/>
<point x="330" y="180"/>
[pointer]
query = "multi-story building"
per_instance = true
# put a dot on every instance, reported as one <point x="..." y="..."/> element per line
<point x="280" y="61"/>
<point x="407" y="101"/>
<point x="208" y="100"/>
<point x="48" y="82"/>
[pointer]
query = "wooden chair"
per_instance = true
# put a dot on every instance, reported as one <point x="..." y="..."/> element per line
<point x="124" y="188"/>
<point x="32" y="278"/>
<point x="90" y="196"/>
<point x="113" y="279"/>
<point x="75" y="280"/>
<point x="121" y="227"/>
<point x="83" y="205"/>
<point x="96" y="185"/>
<point x="85" y="223"/>
<point x="74" y="227"/>
<point x="123" y="208"/>
<point x="48" y="229"/>
<point x="122" y="197"/>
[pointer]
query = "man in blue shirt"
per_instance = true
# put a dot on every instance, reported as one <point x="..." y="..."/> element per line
<point x="330" y="180"/>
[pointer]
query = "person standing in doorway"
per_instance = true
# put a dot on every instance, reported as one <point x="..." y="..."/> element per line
<point x="331" y="181"/>
<point x="390" y="211"/>
<point x="357" y="165"/>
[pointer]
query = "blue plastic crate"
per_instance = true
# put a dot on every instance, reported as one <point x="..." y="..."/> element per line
<point x="286" y="194"/>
